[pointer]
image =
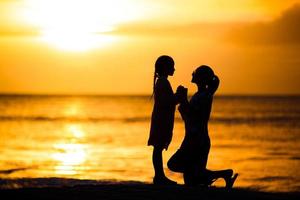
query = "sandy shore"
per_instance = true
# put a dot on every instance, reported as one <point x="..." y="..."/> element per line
<point x="110" y="190"/>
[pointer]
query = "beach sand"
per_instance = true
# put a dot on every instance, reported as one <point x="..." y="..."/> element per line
<point x="111" y="190"/>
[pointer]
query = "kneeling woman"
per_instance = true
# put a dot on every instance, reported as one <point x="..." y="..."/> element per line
<point x="191" y="158"/>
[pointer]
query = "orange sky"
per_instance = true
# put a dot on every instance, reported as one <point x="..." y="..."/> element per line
<point x="109" y="47"/>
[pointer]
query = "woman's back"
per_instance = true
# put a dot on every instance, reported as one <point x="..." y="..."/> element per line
<point x="201" y="104"/>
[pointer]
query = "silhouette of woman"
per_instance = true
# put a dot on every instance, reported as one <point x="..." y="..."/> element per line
<point x="191" y="158"/>
<point x="162" y="120"/>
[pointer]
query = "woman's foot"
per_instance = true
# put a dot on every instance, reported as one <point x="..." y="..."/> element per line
<point x="230" y="181"/>
<point x="163" y="181"/>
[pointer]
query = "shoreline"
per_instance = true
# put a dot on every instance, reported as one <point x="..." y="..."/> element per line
<point x="58" y="188"/>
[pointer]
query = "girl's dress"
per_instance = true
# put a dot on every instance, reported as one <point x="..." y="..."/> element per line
<point x="162" y="120"/>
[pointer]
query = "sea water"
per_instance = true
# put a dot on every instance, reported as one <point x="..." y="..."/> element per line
<point x="105" y="138"/>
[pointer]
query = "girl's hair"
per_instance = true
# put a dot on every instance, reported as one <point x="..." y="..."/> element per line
<point x="162" y="64"/>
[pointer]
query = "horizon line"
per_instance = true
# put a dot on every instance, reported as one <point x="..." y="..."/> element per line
<point x="146" y="94"/>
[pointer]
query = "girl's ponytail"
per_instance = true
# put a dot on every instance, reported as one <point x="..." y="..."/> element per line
<point x="154" y="80"/>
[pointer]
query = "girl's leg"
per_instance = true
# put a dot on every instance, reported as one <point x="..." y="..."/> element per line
<point x="159" y="177"/>
<point x="158" y="162"/>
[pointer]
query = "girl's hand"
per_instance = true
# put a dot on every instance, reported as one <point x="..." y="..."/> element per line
<point x="181" y="94"/>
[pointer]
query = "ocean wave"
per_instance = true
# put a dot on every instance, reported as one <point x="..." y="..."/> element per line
<point x="294" y="120"/>
<point x="10" y="171"/>
<point x="274" y="178"/>
<point x="61" y="182"/>
<point x="257" y="120"/>
<point x="294" y="158"/>
<point x="68" y="118"/>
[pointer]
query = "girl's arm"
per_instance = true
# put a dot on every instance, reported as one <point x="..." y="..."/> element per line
<point x="164" y="96"/>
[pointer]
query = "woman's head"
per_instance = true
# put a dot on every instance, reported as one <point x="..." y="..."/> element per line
<point x="164" y="66"/>
<point x="203" y="75"/>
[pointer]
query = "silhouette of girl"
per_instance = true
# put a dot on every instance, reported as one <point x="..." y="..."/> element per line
<point x="191" y="158"/>
<point x="162" y="120"/>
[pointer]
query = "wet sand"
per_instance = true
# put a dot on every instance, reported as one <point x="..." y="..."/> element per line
<point x="112" y="190"/>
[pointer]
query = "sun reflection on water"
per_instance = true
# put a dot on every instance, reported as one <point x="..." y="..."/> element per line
<point x="76" y="131"/>
<point x="70" y="156"/>
<point x="72" y="109"/>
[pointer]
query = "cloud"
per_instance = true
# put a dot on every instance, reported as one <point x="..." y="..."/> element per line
<point x="283" y="30"/>
<point x="194" y="31"/>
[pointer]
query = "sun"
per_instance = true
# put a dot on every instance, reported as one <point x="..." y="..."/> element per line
<point x="75" y="40"/>
<point x="78" y="25"/>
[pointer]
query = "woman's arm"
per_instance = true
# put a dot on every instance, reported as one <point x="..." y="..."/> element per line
<point x="181" y="94"/>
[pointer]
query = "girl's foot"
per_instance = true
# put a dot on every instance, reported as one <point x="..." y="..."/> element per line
<point x="163" y="181"/>
<point x="231" y="180"/>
